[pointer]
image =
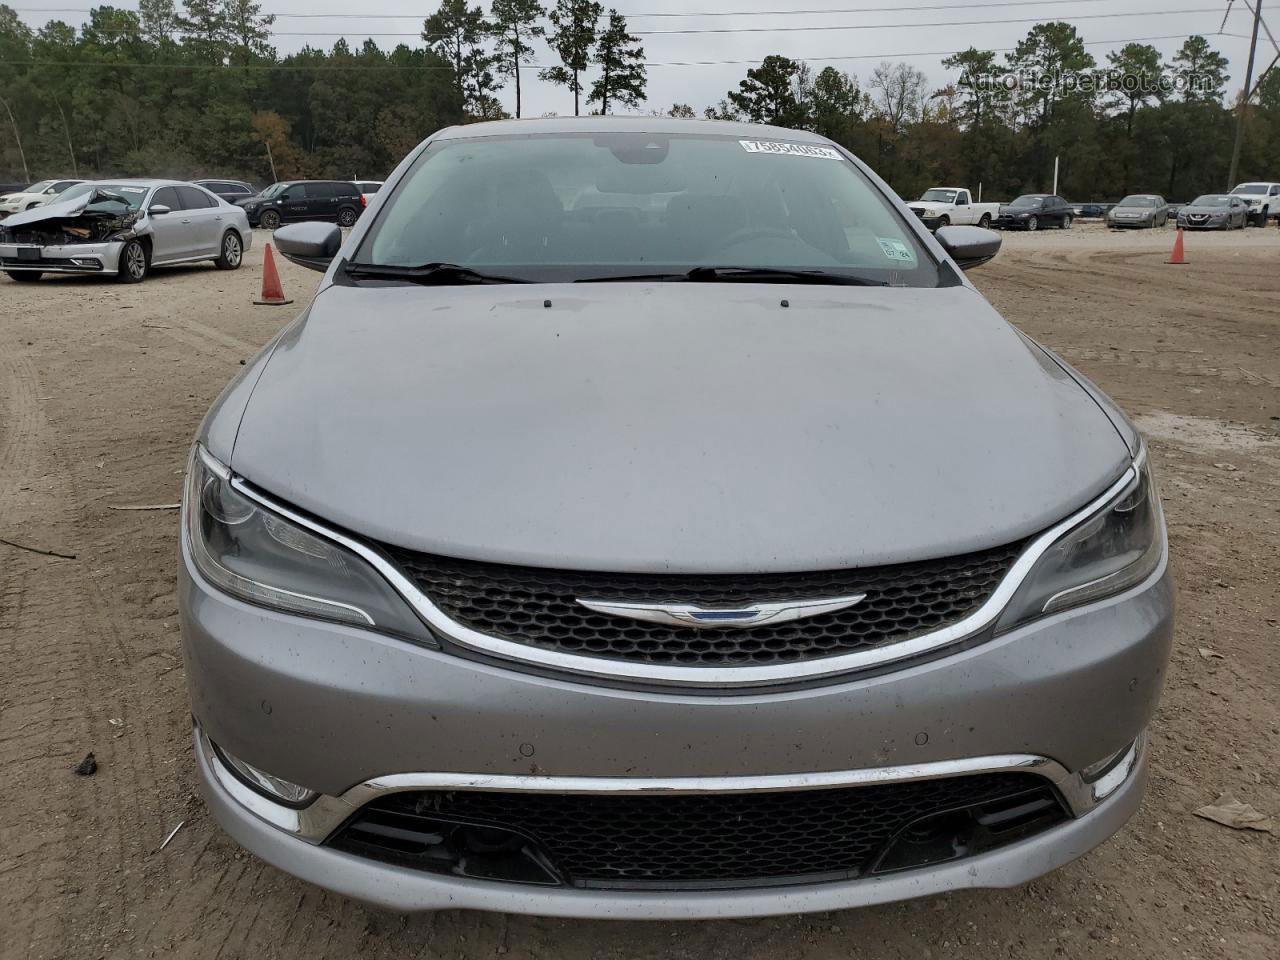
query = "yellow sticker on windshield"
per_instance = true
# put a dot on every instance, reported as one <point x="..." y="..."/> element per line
<point x="896" y="250"/>
<point x="790" y="149"/>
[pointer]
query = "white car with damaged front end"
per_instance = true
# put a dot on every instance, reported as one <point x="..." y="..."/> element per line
<point x="124" y="228"/>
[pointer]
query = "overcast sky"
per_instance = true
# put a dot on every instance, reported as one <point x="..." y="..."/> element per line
<point x="877" y="30"/>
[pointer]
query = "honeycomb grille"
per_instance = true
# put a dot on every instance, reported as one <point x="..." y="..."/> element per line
<point x="688" y="840"/>
<point x="538" y="607"/>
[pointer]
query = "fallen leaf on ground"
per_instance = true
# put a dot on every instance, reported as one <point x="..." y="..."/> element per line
<point x="1230" y="812"/>
<point x="1211" y="654"/>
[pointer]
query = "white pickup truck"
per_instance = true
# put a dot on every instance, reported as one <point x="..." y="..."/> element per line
<point x="943" y="206"/>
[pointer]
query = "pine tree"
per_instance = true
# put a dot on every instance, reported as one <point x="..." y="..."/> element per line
<point x="1202" y="70"/>
<point x="773" y="93"/>
<point x="621" y="60"/>
<point x="574" y="34"/>
<point x="458" y="33"/>
<point x="515" y="22"/>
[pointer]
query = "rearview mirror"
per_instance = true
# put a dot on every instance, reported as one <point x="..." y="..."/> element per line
<point x="969" y="247"/>
<point x="312" y="245"/>
<point x="157" y="210"/>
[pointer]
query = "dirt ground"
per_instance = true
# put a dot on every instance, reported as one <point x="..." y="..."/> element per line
<point x="101" y="389"/>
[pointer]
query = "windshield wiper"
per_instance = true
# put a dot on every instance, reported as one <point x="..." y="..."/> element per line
<point x="777" y="275"/>
<point x="441" y="273"/>
<point x="747" y="275"/>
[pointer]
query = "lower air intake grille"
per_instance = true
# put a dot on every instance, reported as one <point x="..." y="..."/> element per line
<point x="538" y="607"/>
<point x="707" y="840"/>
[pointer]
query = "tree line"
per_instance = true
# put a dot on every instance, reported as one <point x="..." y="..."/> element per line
<point x="200" y="91"/>
<point x="1133" y="124"/>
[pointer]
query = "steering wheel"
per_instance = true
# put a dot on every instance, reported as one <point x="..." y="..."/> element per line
<point x="755" y="233"/>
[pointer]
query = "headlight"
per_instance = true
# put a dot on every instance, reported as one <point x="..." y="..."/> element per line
<point x="1116" y="548"/>
<point x="261" y="557"/>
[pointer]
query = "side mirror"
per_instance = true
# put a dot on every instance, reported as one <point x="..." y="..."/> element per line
<point x="158" y="210"/>
<point x="312" y="245"/>
<point x="969" y="247"/>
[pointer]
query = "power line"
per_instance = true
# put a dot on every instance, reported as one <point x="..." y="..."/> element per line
<point x="811" y="28"/>
<point x="652" y="63"/>
<point x="663" y="15"/>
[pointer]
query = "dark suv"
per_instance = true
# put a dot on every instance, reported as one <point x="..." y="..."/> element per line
<point x="232" y="191"/>
<point x="337" y="200"/>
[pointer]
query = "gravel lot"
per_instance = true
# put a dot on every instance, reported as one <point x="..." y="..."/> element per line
<point x="101" y="389"/>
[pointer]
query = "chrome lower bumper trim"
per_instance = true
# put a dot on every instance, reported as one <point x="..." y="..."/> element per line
<point x="316" y="822"/>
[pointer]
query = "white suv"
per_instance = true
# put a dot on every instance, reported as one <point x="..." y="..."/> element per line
<point x="1263" y="200"/>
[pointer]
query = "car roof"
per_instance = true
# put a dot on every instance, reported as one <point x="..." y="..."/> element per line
<point x="553" y="125"/>
<point x="140" y="182"/>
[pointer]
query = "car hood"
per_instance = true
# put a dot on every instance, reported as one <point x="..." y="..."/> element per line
<point x="1144" y="211"/>
<point x="53" y="210"/>
<point x="1007" y="210"/>
<point x="681" y="427"/>
<point x="1209" y="210"/>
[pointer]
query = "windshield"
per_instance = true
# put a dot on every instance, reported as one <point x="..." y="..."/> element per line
<point x="563" y="207"/>
<point x="272" y="190"/>
<point x="40" y="187"/>
<point x="131" y="194"/>
<point x="939" y="196"/>
<point x="1251" y="188"/>
<point x="1031" y="200"/>
<point x="1138" y="202"/>
<point x="1214" y="200"/>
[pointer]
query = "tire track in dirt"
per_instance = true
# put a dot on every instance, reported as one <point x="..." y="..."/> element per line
<point x="43" y="721"/>
<point x="18" y="426"/>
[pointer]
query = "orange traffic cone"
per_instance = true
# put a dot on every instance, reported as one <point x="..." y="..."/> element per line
<point x="1178" y="256"/>
<point x="272" y="291"/>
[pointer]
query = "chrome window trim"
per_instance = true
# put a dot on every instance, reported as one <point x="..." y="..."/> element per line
<point x="706" y="677"/>
<point x="316" y="822"/>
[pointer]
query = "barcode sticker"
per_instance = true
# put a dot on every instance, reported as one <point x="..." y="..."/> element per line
<point x="790" y="149"/>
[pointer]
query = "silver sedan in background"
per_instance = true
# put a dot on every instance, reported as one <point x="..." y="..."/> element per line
<point x="1214" y="211"/>
<point x="1139" y="210"/>
<point x="124" y="228"/>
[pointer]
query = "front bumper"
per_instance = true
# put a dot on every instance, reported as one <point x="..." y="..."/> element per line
<point x="343" y="712"/>
<point x="64" y="258"/>
<point x="292" y="842"/>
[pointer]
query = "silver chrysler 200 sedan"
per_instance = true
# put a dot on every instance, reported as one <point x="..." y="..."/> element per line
<point x="647" y="518"/>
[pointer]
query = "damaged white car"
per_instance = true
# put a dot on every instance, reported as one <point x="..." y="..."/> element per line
<point x="124" y="228"/>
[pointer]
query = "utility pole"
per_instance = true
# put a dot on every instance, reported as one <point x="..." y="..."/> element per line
<point x="1248" y="93"/>
<point x="1055" y="176"/>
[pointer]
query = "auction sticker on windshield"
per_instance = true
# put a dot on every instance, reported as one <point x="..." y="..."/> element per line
<point x="896" y="250"/>
<point x="790" y="149"/>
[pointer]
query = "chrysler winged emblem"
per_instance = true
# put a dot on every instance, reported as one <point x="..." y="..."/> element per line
<point x="749" y="615"/>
